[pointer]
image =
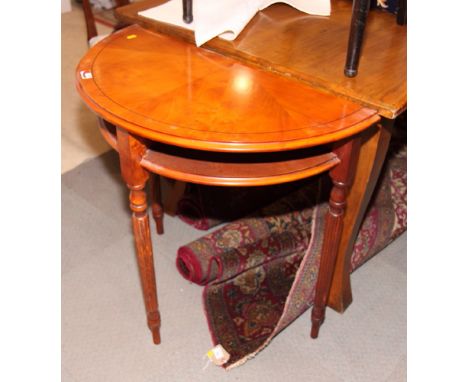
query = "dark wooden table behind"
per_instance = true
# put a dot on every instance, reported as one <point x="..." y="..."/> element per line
<point x="312" y="49"/>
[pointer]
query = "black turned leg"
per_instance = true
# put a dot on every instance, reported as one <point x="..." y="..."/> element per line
<point x="187" y="9"/>
<point x="356" y="34"/>
<point x="401" y="13"/>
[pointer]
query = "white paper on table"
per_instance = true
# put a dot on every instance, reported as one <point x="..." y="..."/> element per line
<point x="225" y="18"/>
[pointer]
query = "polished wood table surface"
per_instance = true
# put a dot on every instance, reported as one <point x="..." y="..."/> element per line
<point x="227" y="106"/>
<point x="312" y="50"/>
<point x="190" y="114"/>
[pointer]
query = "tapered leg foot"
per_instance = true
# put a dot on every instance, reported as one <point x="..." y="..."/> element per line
<point x="154" y="323"/>
<point x="317" y="320"/>
<point x="315" y="330"/>
<point x="159" y="224"/>
<point x="156" y="336"/>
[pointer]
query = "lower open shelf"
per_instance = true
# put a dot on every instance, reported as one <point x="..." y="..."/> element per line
<point x="231" y="169"/>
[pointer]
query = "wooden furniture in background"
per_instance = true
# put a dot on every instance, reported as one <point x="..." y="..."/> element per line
<point x="310" y="49"/>
<point x="91" y="30"/>
<point x="356" y="33"/>
<point x="197" y="116"/>
<point x="177" y="188"/>
<point x="357" y="30"/>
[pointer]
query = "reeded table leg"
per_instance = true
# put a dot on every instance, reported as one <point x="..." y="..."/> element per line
<point x="157" y="206"/>
<point x="130" y="152"/>
<point x="342" y="177"/>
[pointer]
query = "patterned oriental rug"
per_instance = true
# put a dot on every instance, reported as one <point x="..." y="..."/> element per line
<point x="259" y="272"/>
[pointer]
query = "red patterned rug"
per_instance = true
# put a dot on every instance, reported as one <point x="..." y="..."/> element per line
<point x="259" y="272"/>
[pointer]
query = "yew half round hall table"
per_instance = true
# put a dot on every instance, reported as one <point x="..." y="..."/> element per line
<point x="197" y="116"/>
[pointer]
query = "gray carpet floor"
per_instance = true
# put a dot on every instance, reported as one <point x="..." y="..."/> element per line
<point x="104" y="333"/>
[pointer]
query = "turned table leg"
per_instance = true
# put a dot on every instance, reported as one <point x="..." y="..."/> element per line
<point x="130" y="152"/>
<point x="374" y="147"/>
<point x="342" y="177"/>
<point x="157" y="206"/>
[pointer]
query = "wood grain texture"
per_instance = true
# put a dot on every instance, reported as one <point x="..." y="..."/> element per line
<point x="242" y="126"/>
<point x="313" y="50"/>
<point x="342" y="177"/>
<point x="130" y="152"/>
<point x="235" y="173"/>
<point x="169" y="91"/>
<point x="225" y="169"/>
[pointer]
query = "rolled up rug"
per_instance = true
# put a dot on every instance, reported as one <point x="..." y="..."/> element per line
<point x="228" y="249"/>
<point x="202" y="266"/>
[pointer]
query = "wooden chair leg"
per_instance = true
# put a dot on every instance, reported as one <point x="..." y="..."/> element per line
<point x="91" y="30"/>
<point x="130" y="152"/>
<point x="356" y="34"/>
<point x="157" y="206"/>
<point x="187" y="11"/>
<point x="401" y="13"/>
<point x="342" y="177"/>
